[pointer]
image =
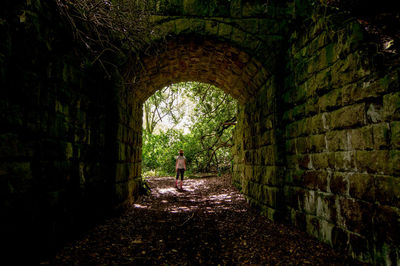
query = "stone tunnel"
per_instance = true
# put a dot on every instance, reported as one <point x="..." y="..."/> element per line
<point x="317" y="143"/>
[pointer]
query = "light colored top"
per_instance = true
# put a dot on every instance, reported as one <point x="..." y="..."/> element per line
<point x="180" y="162"/>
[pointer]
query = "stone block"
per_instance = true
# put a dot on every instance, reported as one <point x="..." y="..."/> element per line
<point x="387" y="225"/>
<point x="387" y="190"/>
<point x="302" y="145"/>
<point x="197" y="25"/>
<point x="296" y="176"/>
<point x="380" y="134"/>
<point x="318" y="143"/>
<point x="376" y="161"/>
<point x="182" y="26"/>
<point x="375" y="113"/>
<point x="270" y="196"/>
<point x="357" y="215"/>
<point x="391" y="106"/>
<point x="345" y="161"/>
<point x="347" y="94"/>
<point x="395" y="134"/>
<point x="304" y="161"/>
<point x="258" y="172"/>
<point x="270" y="176"/>
<point x="269" y="155"/>
<point x="330" y="101"/>
<point x="359" y="247"/>
<point x="310" y="202"/>
<point x="317" y="124"/>
<point x="248" y="173"/>
<point x="300" y="220"/>
<point x="290" y="196"/>
<point x="325" y="231"/>
<point x="320" y="161"/>
<point x="349" y="116"/>
<point x="337" y="140"/>
<point x="361" y="138"/>
<point x="267" y="138"/>
<point x="362" y="186"/>
<point x="331" y="159"/>
<point x="394" y="164"/>
<point x="325" y="207"/>
<point x="340" y="239"/>
<point x="340" y="183"/>
<point x="312" y="225"/>
<point x="322" y="81"/>
<point x="321" y="181"/>
<point x="291" y="146"/>
<point x="225" y="30"/>
<point x="311" y="106"/>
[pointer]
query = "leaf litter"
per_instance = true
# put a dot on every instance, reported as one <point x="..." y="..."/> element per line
<point x="208" y="222"/>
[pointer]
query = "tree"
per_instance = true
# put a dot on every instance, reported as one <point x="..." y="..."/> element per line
<point x="163" y="104"/>
<point x="211" y="120"/>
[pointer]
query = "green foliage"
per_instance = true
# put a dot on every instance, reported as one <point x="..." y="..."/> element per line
<point x="207" y="145"/>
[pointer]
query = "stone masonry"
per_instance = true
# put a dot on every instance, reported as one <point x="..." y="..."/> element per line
<point x="317" y="143"/>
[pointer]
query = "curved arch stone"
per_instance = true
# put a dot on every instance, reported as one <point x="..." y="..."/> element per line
<point x="190" y="58"/>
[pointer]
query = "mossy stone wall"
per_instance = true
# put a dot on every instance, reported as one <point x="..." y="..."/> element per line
<point x="319" y="146"/>
<point x="58" y="133"/>
<point x="342" y="180"/>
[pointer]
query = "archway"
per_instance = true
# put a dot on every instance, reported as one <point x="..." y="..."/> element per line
<point x="194" y="58"/>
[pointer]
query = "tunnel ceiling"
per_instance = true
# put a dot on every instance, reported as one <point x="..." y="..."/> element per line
<point x="202" y="60"/>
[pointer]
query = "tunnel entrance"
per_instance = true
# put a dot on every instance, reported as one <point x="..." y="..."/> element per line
<point x="196" y="117"/>
<point x="316" y="143"/>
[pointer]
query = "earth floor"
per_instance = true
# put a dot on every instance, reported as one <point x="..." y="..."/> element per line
<point x="207" y="222"/>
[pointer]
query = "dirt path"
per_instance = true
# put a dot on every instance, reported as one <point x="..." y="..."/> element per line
<point x="208" y="222"/>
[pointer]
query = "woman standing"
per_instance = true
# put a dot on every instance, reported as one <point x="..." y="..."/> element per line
<point x="180" y="167"/>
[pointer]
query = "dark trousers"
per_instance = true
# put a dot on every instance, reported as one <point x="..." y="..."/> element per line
<point x="180" y="171"/>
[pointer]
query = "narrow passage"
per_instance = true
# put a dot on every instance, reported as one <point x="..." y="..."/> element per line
<point x="208" y="222"/>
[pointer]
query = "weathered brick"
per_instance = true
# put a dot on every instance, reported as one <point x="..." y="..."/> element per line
<point x="380" y="134"/>
<point x="340" y="238"/>
<point x="391" y="106"/>
<point x="375" y="161"/>
<point x="339" y="183"/>
<point x="348" y="116"/>
<point x="362" y="186"/>
<point x="394" y="164"/>
<point x="317" y="125"/>
<point x="302" y="145"/>
<point x="270" y="194"/>
<point x="395" y="134"/>
<point x="337" y="140"/>
<point x="324" y="209"/>
<point x="357" y="215"/>
<point x="309" y="202"/>
<point x="359" y="246"/>
<point x="330" y="101"/>
<point x="320" y="161"/>
<point x="375" y="113"/>
<point x="361" y="138"/>
<point x="387" y="190"/>
<point x="317" y="143"/>
<point x="387" y="225"/>
<point x="271" y="175"/>
<point x="291" y="146"/>
<point x="345" y="161"/>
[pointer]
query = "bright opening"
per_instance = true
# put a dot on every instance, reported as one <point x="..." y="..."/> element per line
<point x="196" y="117"/>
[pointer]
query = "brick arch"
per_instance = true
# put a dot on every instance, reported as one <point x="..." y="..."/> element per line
<point x="204" y="60"/>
